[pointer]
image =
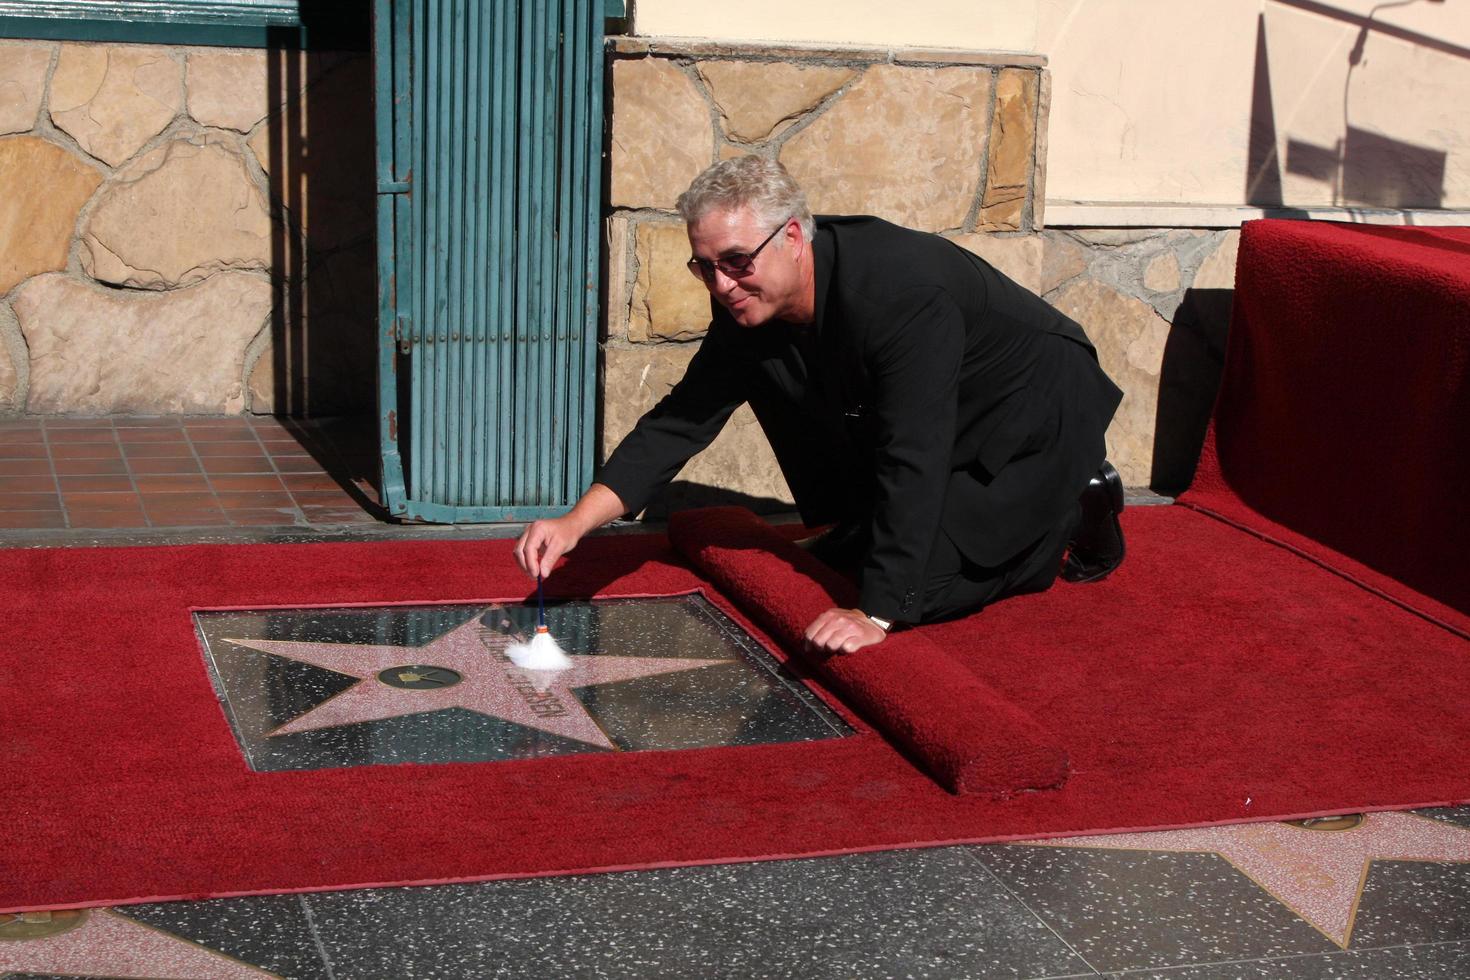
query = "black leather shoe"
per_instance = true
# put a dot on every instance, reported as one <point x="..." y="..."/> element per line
<point x="1097" y="543"/>
<point x="843" y="545"/>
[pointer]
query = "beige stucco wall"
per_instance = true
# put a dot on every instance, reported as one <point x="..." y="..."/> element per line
<point x="1155" y="100"/>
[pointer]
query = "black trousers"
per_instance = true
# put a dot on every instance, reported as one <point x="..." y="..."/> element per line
<point x="955" y="586"/>
<point x="831" y="480"/>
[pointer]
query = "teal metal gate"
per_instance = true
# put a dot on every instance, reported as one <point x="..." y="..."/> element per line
<point x="489" y="122"/>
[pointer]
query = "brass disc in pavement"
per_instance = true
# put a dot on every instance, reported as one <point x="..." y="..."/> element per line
<point x="420" y="677"/>
<point x="1329" y="824"/>
<point x="21" y="926"/>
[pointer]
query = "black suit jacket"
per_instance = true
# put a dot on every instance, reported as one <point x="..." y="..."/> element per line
<point x="978" y="409"/>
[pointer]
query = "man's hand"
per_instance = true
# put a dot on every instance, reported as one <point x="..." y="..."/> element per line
<point x="545" y="541"/>
<point x="843" y="631"/>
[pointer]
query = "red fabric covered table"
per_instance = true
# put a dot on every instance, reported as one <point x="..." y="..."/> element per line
<point x="1342" y="426"/>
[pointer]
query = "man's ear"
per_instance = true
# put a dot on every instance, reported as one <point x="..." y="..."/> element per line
<point x="798" y="242"/>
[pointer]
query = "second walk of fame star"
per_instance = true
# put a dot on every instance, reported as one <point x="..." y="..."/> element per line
<point x="464" y="668"/>
<point x="1318" y="869"/>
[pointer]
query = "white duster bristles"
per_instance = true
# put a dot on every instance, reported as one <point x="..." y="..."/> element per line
<point x="541" y="653"/>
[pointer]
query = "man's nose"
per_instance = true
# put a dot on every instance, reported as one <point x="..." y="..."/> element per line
<point x="721" y="283"/>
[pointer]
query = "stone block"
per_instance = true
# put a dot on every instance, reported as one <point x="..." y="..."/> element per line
<point x="228" y="89"/>
<point x="95" y="351"/>
<point x="1002" y="216"/>
<point x="36" y="227"/>
<point x="759" y="99"/>
<point x="231" y="89"/>
<point x="1161" y="275"/>
<point x="350" y="277"/>
<point x="1218" y="270"/>
<point x="12" y="362"/>
<point x="1130" y="338"/>
<point x="1061" y="259"/>
<point x="9" y="386"/>
<point x="260" y="376"/>
<point x="182" y="212"/>
<point x="902" y="143"/>
<point x="1043" y="148"/>
<point x="336" y="373"/>
<point x="112" y="99"/>
<point x="320" y="156"/>
<point x="668" y="303"/>
<point x="619" y="259"/>
<point x="740" y="459"/>
<point x="1017" y="256"/>
<point x="966" y="56"/>
<point x="662" y="133"/>
<point x="690" y="47"/>
<point x="22" y="83"/>
<point x="1114" y="237"/>
<point x="326" y="361"/>
<point x="1012" y="145"/>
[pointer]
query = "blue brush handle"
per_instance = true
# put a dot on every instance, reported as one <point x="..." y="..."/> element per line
<point x="540" y="602"/>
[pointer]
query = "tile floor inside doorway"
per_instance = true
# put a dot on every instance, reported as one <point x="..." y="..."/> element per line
<point x="164" y="472"/>
<point x="1382" y="897"/>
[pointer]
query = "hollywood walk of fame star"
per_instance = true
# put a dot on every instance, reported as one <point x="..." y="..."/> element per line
<point x="421" y="679"/>
<point x="100" y="943"/>
<point x="1318" y="874"/>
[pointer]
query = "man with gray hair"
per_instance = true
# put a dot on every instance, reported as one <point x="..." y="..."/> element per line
<point x="946" y="421"/>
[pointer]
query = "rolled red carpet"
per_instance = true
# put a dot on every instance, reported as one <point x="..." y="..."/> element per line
<point x="954" y="726"/>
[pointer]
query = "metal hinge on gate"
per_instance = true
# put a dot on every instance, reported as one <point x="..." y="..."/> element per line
<point x="394" y="187"/>
<point x="403" y="334"/>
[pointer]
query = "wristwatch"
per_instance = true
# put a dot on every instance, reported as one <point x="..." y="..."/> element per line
<point x="883" y="624"/>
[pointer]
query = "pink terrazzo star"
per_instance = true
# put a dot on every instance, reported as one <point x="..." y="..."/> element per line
<point x="103" y="944"/>
<point x="491" y="684"/>
<point x="1318" y="874"/>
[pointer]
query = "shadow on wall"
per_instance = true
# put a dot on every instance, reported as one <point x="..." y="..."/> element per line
<point x="1362" y="168"/>
<point x="1189" y="378"/>
<point x="321" y="166"/>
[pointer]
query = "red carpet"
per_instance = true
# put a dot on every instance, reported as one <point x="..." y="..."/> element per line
<point x="1214" y="678"/>
<point x="1342" y="426"/>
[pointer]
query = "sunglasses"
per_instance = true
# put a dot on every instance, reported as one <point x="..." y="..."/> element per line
<point x="736" y="265"/>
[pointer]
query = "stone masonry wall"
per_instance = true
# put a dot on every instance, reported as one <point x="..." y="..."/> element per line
<point x="157" y="251"/>
<point x="1156" y="302"/>
<point x="948" y="142"/>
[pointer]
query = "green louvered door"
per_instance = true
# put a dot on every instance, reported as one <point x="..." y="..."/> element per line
<point x="489" y="120"/>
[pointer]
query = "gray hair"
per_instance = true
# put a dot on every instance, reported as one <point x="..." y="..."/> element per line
<point x="753" y="182"/>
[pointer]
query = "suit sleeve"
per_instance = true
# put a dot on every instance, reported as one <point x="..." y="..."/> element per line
<point x="683" y="422"/>
<point x="913" y="359"/>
